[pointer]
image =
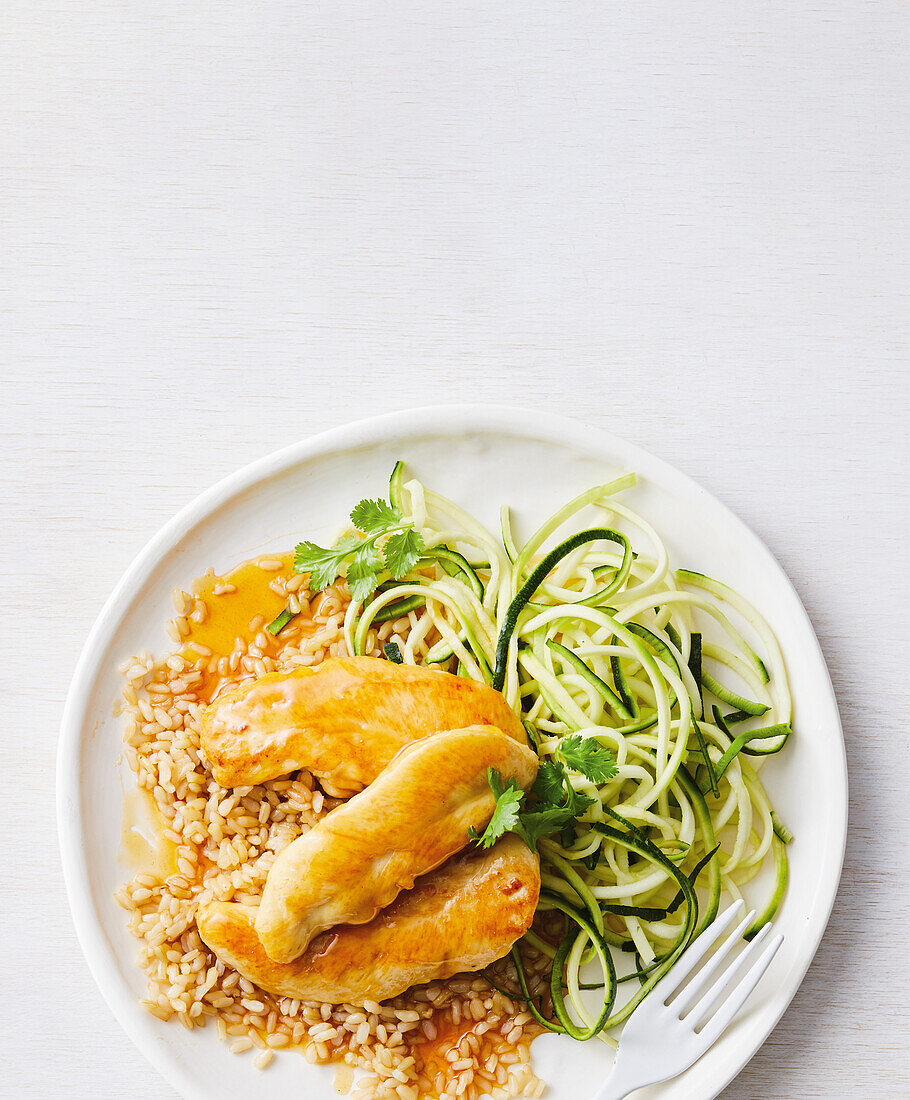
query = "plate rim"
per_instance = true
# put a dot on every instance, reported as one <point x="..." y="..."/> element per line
<point x="514" y="420"/>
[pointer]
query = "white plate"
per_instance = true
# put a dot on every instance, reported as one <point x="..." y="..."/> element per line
<point x="481" y="457"/>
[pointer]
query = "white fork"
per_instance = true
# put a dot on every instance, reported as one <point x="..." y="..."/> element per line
<point x="669" y="1030"/>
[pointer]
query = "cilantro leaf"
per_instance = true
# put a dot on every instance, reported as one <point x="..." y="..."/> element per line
<point x="560" y="805"/>
<point x="402" y="551"/>
<point x="553" y="789"/>
<point x="384" y="532"/>
<point x="494" y="778"/>
<point x="587" y="756"/>
<point x="362" y="573"/>
<point x="375" y="516"/>
<point x="577" y="801"/>
<point x="505" y="812"/>
<point x="550" y="784"/>
<point x="323" y="564"/>
<point x="538" y="823"/>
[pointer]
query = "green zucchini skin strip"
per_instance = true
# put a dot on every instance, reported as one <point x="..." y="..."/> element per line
<point x="636" y="841"/>
<point x="763" y="733"/>
<point x="396" y="610"/>
<point x="396" y="498"/>
<point x="505" y="527"/>
<point x="580" y="888"/>
<point x="599" y="598"/>
<point x="550" y="1025"/>
<point x="781" y="831"/>
<point x="658" y="647"/>
<point x="643" y="722"/>
<point x="730" y="697"/>
<point x="703" y="816"/>
<point x="665" y="654"/>
<point x="737" y="716"/>
<point x="527" y="590"/>
<point x="455" y="564"/>
<point x="601" y="687"/>
<point x="278" y="624"/>
<point x="555" y="521"/>
<point x="783" y="730"/>
<point x="706" y="756"/>
<point x="694" y="657"/>
<point x="644" y="912"/>
<point x="622" y="688"/>
<point x="782" y="874"/>
<point x="556" y="974"/>
<point x="722" y="592"/>
<point x="740" y="741"/>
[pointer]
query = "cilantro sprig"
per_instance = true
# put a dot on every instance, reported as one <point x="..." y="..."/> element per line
<point x="506" y="813"/>
<point x="587" y="756"/>
<point x="385" y="541"/>
<point x="557" y="803"/>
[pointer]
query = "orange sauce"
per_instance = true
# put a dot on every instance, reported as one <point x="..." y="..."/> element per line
<point x="430" y="1054"/>
<point x="144" y="849"/>
<point x="230" y="613"/>
<point x="343" y="1079"/>
<point x="239" y="614"/>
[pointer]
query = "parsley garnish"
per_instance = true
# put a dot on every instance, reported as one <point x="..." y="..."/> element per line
<point x="385" y="541"/>
<point x="558" y="803"/>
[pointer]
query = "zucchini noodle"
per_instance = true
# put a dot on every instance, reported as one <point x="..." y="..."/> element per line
<point x="600" y="638"/>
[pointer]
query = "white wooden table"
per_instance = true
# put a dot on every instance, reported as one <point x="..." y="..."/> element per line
<point x="225" y="226"/>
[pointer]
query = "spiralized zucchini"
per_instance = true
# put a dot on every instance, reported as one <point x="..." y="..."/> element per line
<point x="598" y="636"/>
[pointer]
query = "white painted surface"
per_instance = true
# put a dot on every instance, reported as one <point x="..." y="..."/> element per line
<point x="222" y="225"/>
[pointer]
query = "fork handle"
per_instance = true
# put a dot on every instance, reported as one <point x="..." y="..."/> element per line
<point x="618" y="1087"/>
<point x="609" y="1092"/>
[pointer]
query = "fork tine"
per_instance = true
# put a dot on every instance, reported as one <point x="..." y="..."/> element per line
<point x="738" y="995"/>
<point x="691" y="993"/>
<point x="693" y="954"/>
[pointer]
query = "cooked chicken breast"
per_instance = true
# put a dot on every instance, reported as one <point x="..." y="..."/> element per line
<point x="344" y="723"/>
<point x="408" y="821"/>
<point x="460" y="917"/>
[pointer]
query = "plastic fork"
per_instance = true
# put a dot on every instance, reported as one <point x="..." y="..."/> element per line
<point x="673" y="1027"/>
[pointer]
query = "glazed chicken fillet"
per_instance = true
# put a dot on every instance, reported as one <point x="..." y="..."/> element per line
<point x="416" y="815"/>
<point x="343" y="722"/>
<point x="462" y="917"/>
